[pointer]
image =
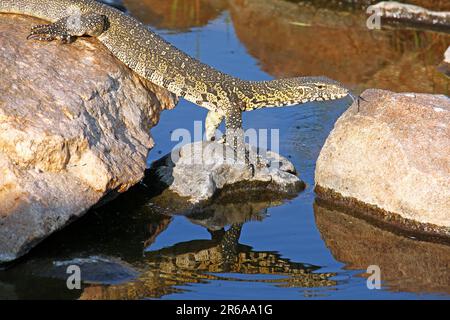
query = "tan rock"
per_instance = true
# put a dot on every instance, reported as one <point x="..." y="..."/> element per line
<point x="393" y="156"/>
<point x="74" y="127"/>
<point x="200" y="171"/>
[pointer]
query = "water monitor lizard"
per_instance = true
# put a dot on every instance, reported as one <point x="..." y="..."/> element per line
<point x="153" y="58"/>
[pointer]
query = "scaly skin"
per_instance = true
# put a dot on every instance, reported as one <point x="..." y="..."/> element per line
<point x="155" y="59"/>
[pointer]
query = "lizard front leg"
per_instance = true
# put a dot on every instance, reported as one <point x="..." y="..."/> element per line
<point x="212" y="122"/>
<point x="68" y="28"/>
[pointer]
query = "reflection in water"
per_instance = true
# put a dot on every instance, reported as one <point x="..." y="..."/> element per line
<point x="175" y="14"/>
<point x="440" y="5"/>
<point x="115" y="256"/>
<point x="406" y="264"/>
<point x="299" y="39"/>
<point x="292" y="38"/>
<point x="196" y="262"/>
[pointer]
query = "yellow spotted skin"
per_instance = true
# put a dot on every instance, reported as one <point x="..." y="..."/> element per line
<point x="155" y="59"/>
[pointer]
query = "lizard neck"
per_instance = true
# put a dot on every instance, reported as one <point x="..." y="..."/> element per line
<point x="267" y="94"/>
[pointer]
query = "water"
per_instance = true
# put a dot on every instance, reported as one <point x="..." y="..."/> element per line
<point x="293" y="249"/>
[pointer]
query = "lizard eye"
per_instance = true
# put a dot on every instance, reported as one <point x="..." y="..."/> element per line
<point x="320" y="86"/>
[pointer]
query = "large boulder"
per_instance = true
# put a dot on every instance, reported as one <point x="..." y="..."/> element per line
<point x="74" y="128"/>
<point x="391" y="160"/>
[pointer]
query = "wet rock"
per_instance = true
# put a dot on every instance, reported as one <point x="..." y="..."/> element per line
<point x="393" y="10"/>
<point x="198" y="172"/>
<point x="74" y="128"/>
<point x="93" y="269"/>
<point x="174" y="14"/>
<point x="391" y="160"/>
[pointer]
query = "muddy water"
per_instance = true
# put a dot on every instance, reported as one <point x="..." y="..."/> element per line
<point x="134" y="247"/>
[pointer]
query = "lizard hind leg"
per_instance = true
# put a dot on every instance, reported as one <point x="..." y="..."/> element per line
<point x="68" y="28"/>
<point x="235" y="137"/>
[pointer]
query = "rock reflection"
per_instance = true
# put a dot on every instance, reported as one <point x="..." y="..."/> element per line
<point x="201" y="261"/>
<point x="175" y="14"/>
<point x="113" y="247"/>
<point x="292" y="38"/>
<point x="406" y="264"/>
<point x="337" y="43"/>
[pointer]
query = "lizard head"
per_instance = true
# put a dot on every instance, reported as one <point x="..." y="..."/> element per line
<point x="319" y="89"/>
<point x="291" y="91"/>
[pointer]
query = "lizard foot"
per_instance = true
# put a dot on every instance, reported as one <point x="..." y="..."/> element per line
<point x="68" y="28"/>
<point x="49" y="32"/>
<point x="222" y="139"/>
<point x="251" y="156"/>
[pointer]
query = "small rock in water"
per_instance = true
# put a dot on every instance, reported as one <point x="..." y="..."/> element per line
<point x="199" y="171"/>
<point x="411" y="13"/>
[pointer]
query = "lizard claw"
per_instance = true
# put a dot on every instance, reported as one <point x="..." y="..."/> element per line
<point x="222" y="139"/>
<point x="38" y="26"/>
<point x="48" y="32"/>
<point x="40" y="37"/>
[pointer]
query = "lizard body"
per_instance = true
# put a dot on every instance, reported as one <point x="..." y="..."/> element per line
<point x="153" y="58"/>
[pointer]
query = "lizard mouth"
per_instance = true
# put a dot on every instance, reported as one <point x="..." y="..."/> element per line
<point x="330" y="97"/>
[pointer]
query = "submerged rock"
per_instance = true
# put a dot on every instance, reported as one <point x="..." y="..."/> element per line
<point x="95" y="269"/>
<point x="74" y="128"/>
<point x="201" y="170"/>
<point x="391" y="160"/>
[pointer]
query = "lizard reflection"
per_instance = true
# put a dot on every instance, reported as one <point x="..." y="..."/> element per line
<point x="119" y="263"/>
<point x="222" y="257"/>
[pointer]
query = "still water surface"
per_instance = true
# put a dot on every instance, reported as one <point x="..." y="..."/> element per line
<point x="291" y="249"/>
